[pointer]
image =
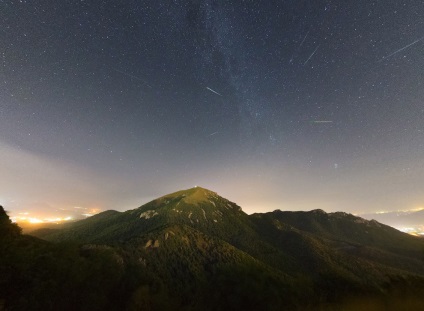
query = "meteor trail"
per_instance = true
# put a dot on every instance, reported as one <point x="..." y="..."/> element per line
<point x="311" y="56"/>
<point x="213" y="91"/>
<point x="131" y="76"/>
<point x="322" y="121"/>
<point x="301" y="43"/>
<point x="213" y="134"/>
<point x="400" y="50"/>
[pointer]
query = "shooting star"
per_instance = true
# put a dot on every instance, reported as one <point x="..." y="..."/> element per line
<point x="132" y="76"/>
<point x="301" y="43"/>
<point x="213" y="91"/>
<point x="400" y="50"/>
<point x="311" y="56"/>
<point x="322" y="121"/>
<point x="213" y="134"/>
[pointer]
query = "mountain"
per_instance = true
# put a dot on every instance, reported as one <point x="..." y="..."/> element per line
<point x="411" y="221"/>
<point x="194" y="250"/>
<point x="344" y="242"/>
<point x="196" y="207"/>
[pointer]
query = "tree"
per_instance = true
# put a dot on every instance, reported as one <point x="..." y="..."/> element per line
<point x="7" y="228"/>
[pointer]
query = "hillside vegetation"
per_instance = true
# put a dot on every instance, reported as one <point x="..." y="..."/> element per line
<point x="194" y="250"/>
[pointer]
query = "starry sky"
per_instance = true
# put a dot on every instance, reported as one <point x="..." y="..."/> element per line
<point x="291" y="105"/>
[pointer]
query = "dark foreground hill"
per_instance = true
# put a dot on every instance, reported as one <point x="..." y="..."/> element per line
<point x="194" y="250"/>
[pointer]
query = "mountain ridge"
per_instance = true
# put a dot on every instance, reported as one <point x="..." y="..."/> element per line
<point x="319" y="256"/>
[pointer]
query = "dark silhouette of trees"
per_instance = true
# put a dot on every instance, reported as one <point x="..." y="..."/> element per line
<point x="7" y="228"/>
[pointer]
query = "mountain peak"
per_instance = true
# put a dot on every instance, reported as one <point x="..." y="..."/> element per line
<point x="194" y="206"/>
<point x="193" y="195"/>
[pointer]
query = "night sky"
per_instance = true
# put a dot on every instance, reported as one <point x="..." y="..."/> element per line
<point x="291" y="105"/>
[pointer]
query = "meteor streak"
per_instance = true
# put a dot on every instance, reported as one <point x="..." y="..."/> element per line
<point x="301" y="43"/>
<point x="132" y="76"/>
<point x="400" y="50"/>
<point x="213" y="91"/>
<point x="311" y="56"/>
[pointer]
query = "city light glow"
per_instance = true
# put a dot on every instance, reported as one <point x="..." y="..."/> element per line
<point x="37" y="220"/>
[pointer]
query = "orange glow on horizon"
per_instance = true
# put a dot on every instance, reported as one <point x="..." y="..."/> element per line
<point x="41" y="217"/>
<point x="37" y="220"/>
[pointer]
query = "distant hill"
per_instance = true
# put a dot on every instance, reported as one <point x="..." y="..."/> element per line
<point x="194" y="250"/>
<point x="399" y="219"/>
